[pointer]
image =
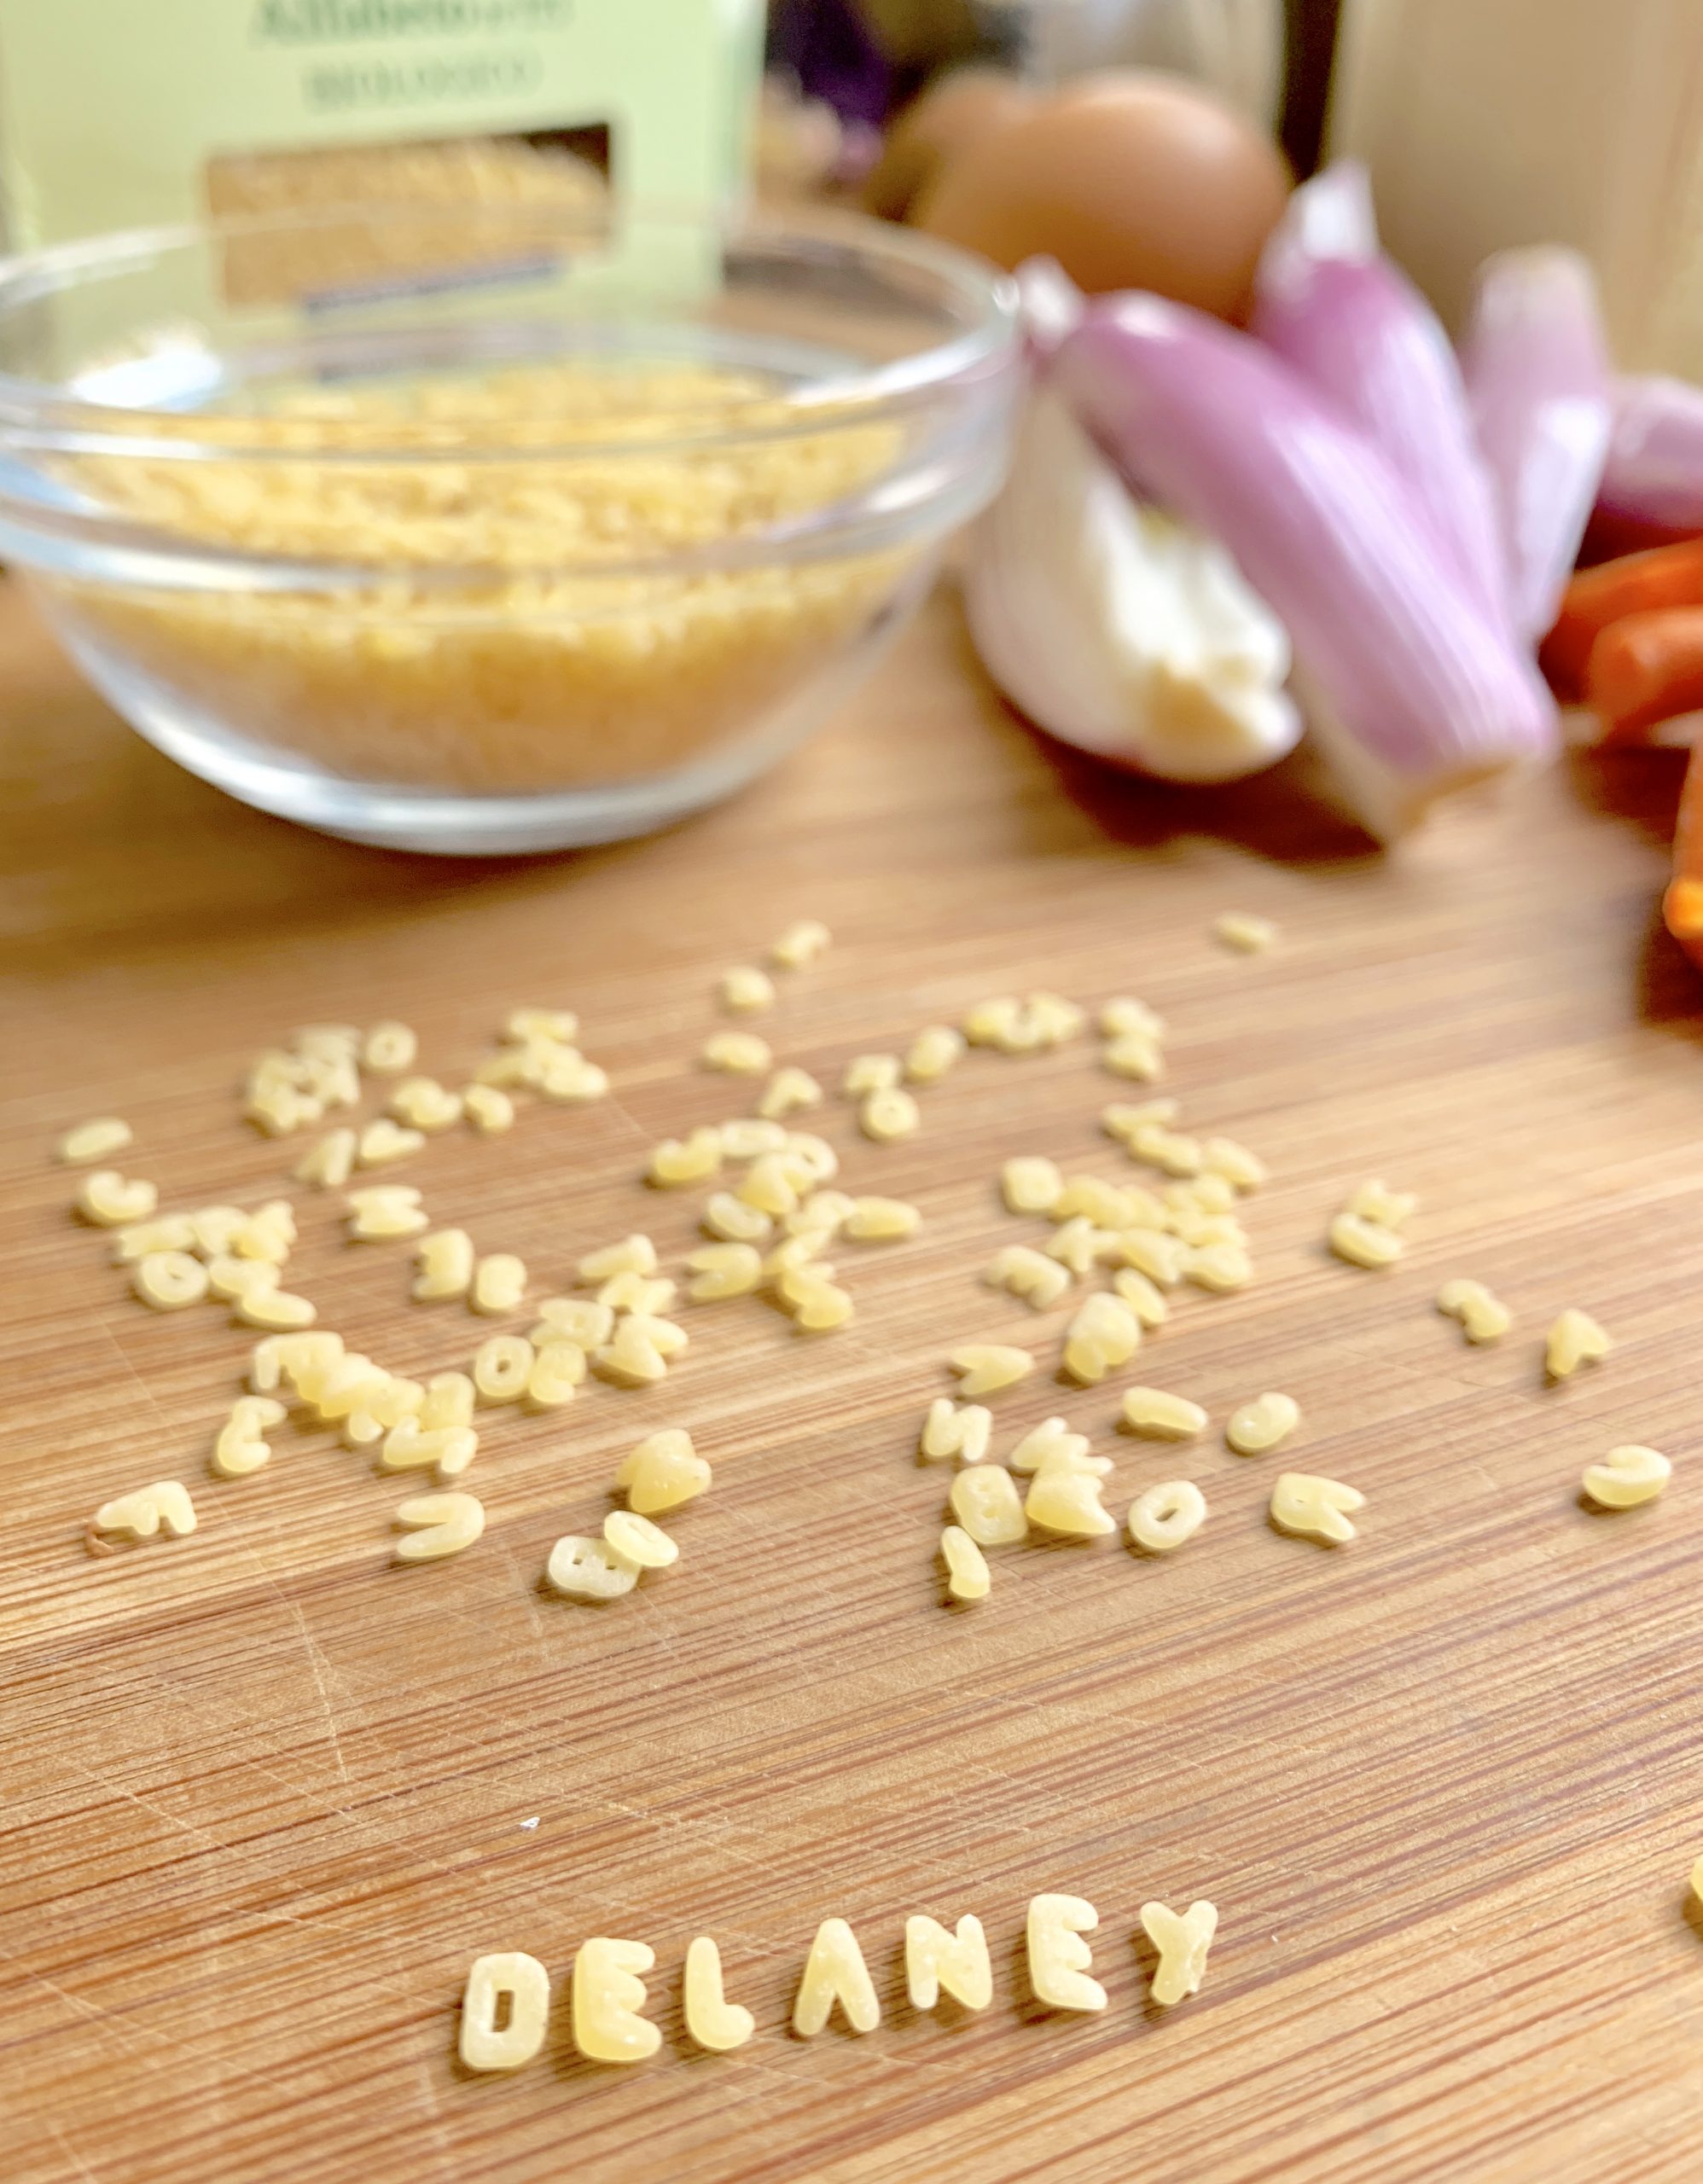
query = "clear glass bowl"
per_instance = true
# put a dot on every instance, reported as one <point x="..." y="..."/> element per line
<point x="497" y="528"/>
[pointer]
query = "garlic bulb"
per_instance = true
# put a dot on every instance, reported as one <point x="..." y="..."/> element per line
<point x="1116" y="628"/>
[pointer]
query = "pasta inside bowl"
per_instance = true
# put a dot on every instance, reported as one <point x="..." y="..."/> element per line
<point x="556" y="548"/>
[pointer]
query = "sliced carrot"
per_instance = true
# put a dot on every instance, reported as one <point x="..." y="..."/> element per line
<point x="1645" y="669"/>
<point x="1637" y="584"/>
<point x="1682" y="905"/>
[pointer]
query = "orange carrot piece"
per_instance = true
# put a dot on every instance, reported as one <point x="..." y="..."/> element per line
<point x="1683" y="904"/>
<point x="1644" y="669"/>
<point x="1637" y="584"/>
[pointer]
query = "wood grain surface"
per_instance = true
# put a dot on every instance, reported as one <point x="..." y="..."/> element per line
<point x="266" y="1794"/>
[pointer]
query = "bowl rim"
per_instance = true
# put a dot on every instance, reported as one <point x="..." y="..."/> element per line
<point x="36" y="415"/>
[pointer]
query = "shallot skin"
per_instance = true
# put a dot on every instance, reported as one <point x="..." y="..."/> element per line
<point x="1412" y="683"/>
<point x="1653" y="474"/>
<point x="1352" y="325"/>
<point x="1537" y="377"/>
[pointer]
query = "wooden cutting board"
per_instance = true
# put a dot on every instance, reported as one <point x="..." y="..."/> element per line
<point x="266" y="1794"/>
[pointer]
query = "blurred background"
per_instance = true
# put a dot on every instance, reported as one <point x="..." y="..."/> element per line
<point x="1484" y="123"/>
<point x="866" y="58"/>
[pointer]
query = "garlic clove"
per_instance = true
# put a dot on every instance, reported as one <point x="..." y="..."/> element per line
<point x="1116" y="628"/>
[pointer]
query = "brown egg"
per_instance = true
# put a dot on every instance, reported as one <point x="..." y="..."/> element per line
<point x="954" y="112"/>
<point x="1131" y="180"/>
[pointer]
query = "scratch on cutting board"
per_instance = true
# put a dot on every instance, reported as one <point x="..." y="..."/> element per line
<point x="611" y="1105"/>
<point x="317" y="1665"/>
<point x="434" y="2121"/>
<point x="91" y="2013"/>
<point x="148" y="1395"/>
<point x="529" y="1601"/>
<point x="183" y="1700"/>
<point x="323" y="1923"/>
<point x="71" y="2153"/>
<point x="754" y="2066"/>
<point x="204" y="1836"/>
<point x="661" y="1619"/>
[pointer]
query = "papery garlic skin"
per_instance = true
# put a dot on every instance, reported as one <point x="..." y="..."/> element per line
<point x="1115" y="627"/>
